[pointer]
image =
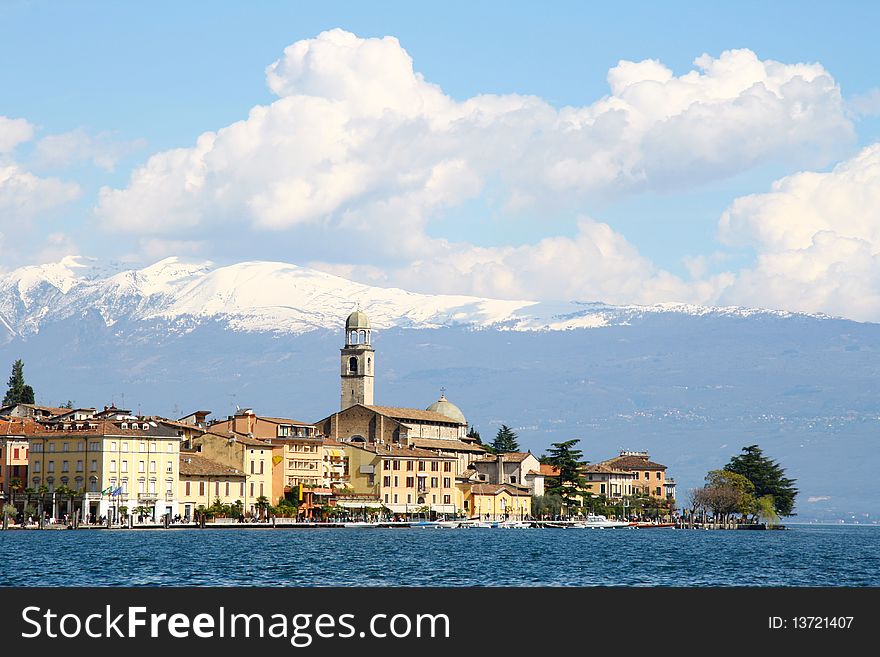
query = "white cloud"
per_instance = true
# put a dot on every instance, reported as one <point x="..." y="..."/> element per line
<point x="866" y="104"/>
<point x="14" y="132"/>
<point x="355" y="128"/>
<point x="101" y="149"/>
<point x="24" y="195"/>
<point x="361" y="149"/>
<point x="817" y="238"/>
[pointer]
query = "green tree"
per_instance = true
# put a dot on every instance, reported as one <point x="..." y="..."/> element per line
<point x="474" y="435"/>
<point x="767" y="477"/>
<point x="765" y="509"/>
<point x="743" y="495"/>
<point x="505" y="440"/>
<point x="569" y="481"/>
<point x="18" y="391"/>
<point x="262" y="504"/>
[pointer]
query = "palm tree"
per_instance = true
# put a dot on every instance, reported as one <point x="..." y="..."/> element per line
<point x="262" y="505"/>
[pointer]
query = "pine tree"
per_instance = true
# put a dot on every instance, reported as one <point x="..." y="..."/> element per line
<point x="505" y="440"/>
<point x="18" y="392"/>
<point x="767" y="476"/>
<point x="568" y="483"/>
<point x="474" y="435"/>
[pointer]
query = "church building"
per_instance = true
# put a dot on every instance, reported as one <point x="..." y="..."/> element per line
<point x="440" y="428"/>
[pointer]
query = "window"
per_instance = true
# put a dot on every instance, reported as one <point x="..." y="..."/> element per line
<point x="386" y="481"/>
<point x="152" y="486"/>
<point x="143" y="447"/>
<point x="602" y="489"/>
<point x="261" y="488"/>
<point x="433" y="482"/>
<point x="141" y="466"/>
<point x="421" y="466"/>
<point x="252" y="467"/>
<point x="171" y="448"/>
<point x="241" y="489"/>
<point x="217" y="488"/>
<point x="408" y="498"/>
<point x="37" y="447"/>
<point x="169" y="487"/>
<point x="658" y="474"/>
<point x="94" y="465"/>
<point x="169" y="467"/>
<point x="396" y="465"/>
<point x="186" y="488"/>
<point x="395" y="498"/>
<point x="141" y="487"/>
<point x="447" y="466"/>
<point x="227" y="489"/>
<point x="409" y="466"/>
<point x="410" y="482"/>
<point x="125" y="465"/>
<point x="79" y="446"/>
<point x="647" y="476"/>
<point x="252" y="489"/>
<point x="51" y="447"/>
<point x="386" y="498"/>
<point x="447" y="499"/>
<point x="112" y="465"/>
<point x="353" y="365"/>
<point x="201" y="488"/>
<point x="124" y="445"/>
<point x="65" y="447"/>
<point x="387" y="464"/>
<point x="152" y="466"/>
<point x="95" y="446"/>
<point x="36" y="466"/>
<point x="261" y="467"/>
<point x="79" y="466"/>
<point x="112" y="445"/>
<point x="447" y="482"/>
<point x="637" y="475"/>
<point x="435" y="466"/>
<point x="395" y="482"/>
<point x="657" y="491"/>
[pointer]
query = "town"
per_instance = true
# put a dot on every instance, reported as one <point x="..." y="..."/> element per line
<point x="82" y="467"/>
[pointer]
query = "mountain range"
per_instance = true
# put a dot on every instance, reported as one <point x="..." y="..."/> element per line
<point x="692" y="385"/>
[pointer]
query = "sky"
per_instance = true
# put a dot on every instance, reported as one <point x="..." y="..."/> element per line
<point x="619" y="152"/>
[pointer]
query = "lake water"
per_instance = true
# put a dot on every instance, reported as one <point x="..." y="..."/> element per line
<point x="805" y="555"/>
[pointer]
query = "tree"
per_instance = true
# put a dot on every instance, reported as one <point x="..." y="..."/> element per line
<point x="474" y="435"/>
<point x="767" y="477"/>
<point x="568" y="483"/>
<point x="262" y="505"/>
<point x="18" y="391"/>
<point x="743" y="489"/>
<point x="505" y="440"/>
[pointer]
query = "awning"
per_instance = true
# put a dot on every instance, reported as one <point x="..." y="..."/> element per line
<point x="332" y="451"/>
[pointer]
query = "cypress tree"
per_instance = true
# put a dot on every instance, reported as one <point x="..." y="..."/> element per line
<point x="18" y="391"/>
<point x="768" y="478"/>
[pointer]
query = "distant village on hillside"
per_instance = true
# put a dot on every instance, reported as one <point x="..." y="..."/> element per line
<point x="109" y="466"/>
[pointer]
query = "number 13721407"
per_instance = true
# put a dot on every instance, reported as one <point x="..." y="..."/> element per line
<point x="810" y="622"/>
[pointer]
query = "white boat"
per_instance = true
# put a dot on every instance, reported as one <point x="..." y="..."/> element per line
<point x="357" y="525"/>
<point x="598" y="522"/>
<point x="514" y="524"/>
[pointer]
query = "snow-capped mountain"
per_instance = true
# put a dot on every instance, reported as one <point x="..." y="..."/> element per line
<point x="276" y="297"/>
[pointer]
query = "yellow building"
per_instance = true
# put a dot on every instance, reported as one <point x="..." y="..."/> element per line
<point x="136" y="458"/>
<point x="302" y="455"/>
<point x="496" y="501"/>
<point x="335" y="466"/>
<point x="614" y="483"/>
<point x="261" y="462"/>
<point x="403" y="479"/>
<point x="203" y="481"/>
<point x="14" y="433"/>
<point x="648" y="477"/>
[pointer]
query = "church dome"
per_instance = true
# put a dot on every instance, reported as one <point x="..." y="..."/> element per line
<point x="447" y="408"/>
<point x="357" y="320"/>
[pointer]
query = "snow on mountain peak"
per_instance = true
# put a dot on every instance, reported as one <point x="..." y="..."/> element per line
<point x="279" y="297"/>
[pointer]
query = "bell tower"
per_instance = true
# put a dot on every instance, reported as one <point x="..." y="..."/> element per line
<point x="357" y="362"/>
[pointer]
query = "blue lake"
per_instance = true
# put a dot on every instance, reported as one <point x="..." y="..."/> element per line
<point x="804" y="555"/>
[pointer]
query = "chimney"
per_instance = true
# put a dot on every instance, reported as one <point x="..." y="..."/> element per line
<point x="500" y="461"/>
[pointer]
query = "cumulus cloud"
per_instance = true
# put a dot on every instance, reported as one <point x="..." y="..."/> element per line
<point x="14" y="132"/>
<point x="102" y="149"/>
<point x="24" y="195"/>
<point x="817" y="238"/>
<point x="355" y="127"/>
<point x="360" y="148"/>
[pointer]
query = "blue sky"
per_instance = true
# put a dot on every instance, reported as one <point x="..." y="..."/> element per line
<point x="486" y="188"/>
